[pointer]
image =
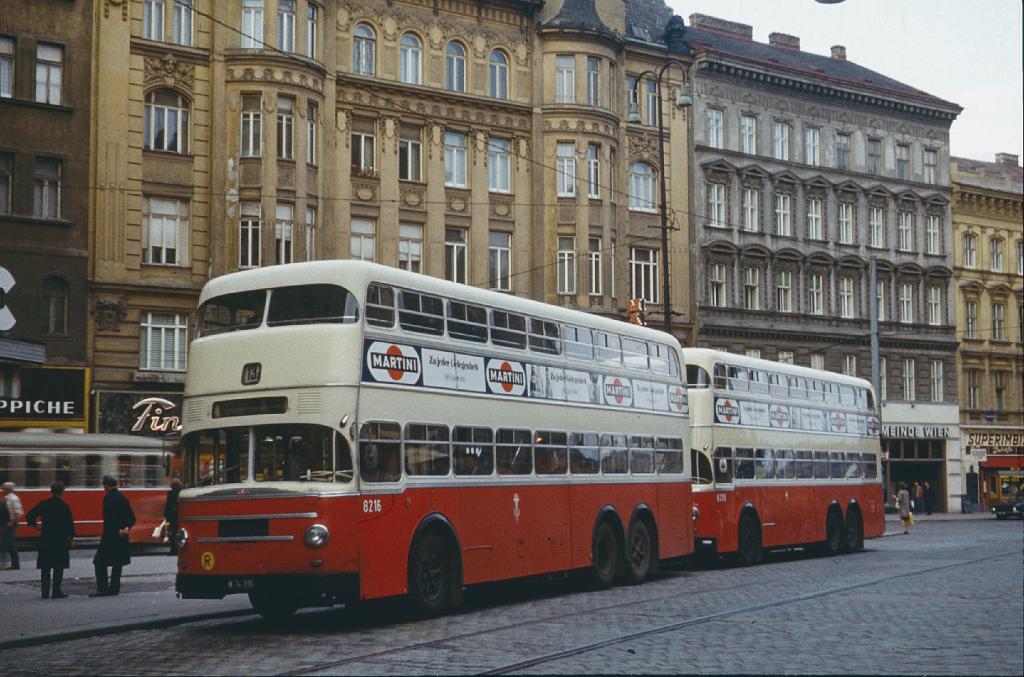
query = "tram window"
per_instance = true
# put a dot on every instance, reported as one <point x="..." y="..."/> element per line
<point x="744" y="463"/>
<point x="153" y="468"/>
<point x="785" y="466"/>
<point x="35" y="467"/>
<point x="420" y="313"/>
<point x="804" y="464"/>
<point x="758" y="381"/>
<point x="93" y="470"/>
<point x="231" y="312"/>
<point x="608" y="348"/>
<point x="614" y="455"/>
<point x="721" y="382"/>
<point x="661" y="358"/>
<point x="379" y="450"/>
<point x="579" y="343"/>
<point x="380" y="305"/>
<point x="797" y="388"/>
<point x="764" y="464"/>
<point x="514" y="451"/>
<point x="545" y="337"/>
<point x="853" y="469"/>
<point x="584" y="454"/>
<point x="701" y="464"/>
<point x="473" y="449"/>
<point x="426" y="449"/>
<point x="739" y="379"/>
<point x="837" y="465"/>
<point x="846" y="395"/>
<point x="124" y="470"/>
<point x="870" y="463"/>
<point x="467" y="322"/>
<point x="668" y="456"/>
<point x="641" y="454"/>
<point x="508" y="329"/>
<point x="550" y="452"/>
<point x="311" y="304"/>
<point x="777" y="385"/>
<point x="63" y="471"/>
<point x="723" y="465"/>
<point x="821" y="465"/>
<point x="696" y="376"/>
<point x="634" y="354"/>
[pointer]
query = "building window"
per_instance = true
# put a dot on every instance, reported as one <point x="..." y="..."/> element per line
<point x="716" y="205"/>
<point x="842" y="151"/>
<point x="996" y="250"/>
<point x="363" y="240"/>
<point x="971" y="319"/>
<point x="846" y="306"/>
<point x="780" y="141"/>
<point x="252" y="24"/>
<point x="54" y="310"/>
<point x="409" y="153"/>
<point x="1020" y="257"/>
<point x="783" y="216"/>
<point x="753" y="352"/>
<point x="153" y="19"/>
<point x="748" y="134"/>
<point x="632" y="95"/>
<point x="565" y="169"/>
<point x="595" y="258"/>
<point x="165" y="121"/>
<point x="651" y="103"/>
<point x="931" y="229"/>
<point x="285" y="128"/>
<point x="284" y="225"/>
<point x="6" y="182"/>
<point x="998" y="324"/>
<point x="499" y="255"/>
<point x="49" y="72"/>
<point x="643" y="265"/>
<point x="876" y="226"/>
<point x="46" y="183"/>
<point x="874" y="156"/>
<point x="455" y="67"/>
<point x="641" y="187"/>
<point x="999" y="378"/>
<point x="6" y="67"/>
<point x="311" y="134"/>
<point x="162" y="341"/>
<point x="883" y="379"/>
<point x="252" y="126"/>
<point x="850" y="365"/>
<point x="286" y="25"/>
<point x="250" y="243"/>
<point x="973" y="389"/>
<point x="455" y="259"/>
<point x="906" y="300"/>
<point x="814" y="219"/>
<point x="409" y="54"/>
<point x="566" y="265"/>
<point x="881" y="300"/>
<point x="363" y="153"/>
<point x="752" y="289"/>
<point x="310" y="234"/>
<point x="815" y="294"/>
<point x="845" y="223"/>
<point x="812" y="143"/>
<point x="593" y="171"/>
<point x="902" y="161"/>
<point x="717" y="291"/>
<point x="906" y="231"/>
<point x="410" y="247"/>
<point x="312" y="19"/>
<point x="455" y="159"/>
<point x="930" y="166"/>
<point x="909" y="387"/>
<point x="499" y="166"/>
<point x="713" y="128"/>
<point x="784" y="291"/>
<point x="364" y="50"/>
<point x="817" y="361"/>
<point x="751" y="210"/>
<point x="934" y="305"/>
<point x="970" y="251"/>
<point x="936" y="381"/>
<point x="565" y="78"/>
<point x="593" y="81"/>
<point x="164" y="231"/>
<point x="498" y="74"/>
<point x="785" y="357"/>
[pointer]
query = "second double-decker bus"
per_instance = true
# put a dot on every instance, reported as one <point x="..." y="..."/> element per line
<point x="782" y="456"/>
<point x="354" y="431"/>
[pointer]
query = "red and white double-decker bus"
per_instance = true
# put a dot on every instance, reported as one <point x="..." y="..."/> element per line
<point x="354" y="431"/>
<point x="782" y="456"/>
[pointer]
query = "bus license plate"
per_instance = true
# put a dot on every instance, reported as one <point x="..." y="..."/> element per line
<point x="240" y="584"/>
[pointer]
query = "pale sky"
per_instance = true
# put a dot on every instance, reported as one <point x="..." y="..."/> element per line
<point x="967" y="52"/>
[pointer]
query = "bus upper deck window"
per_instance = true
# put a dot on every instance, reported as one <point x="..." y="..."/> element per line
<point x="721" y="381"/>
<point x="778" y="385"/>
<point x="311" y="304"/>
<point x="697" y="376"/>
<point x="467" y="322"/>
<point x="846" y="395"/>
<point x="758" y="381"/>
<point x="797" y="389"/>
<point x="738" y="378"/>
<point x="231" y="312"/>
<point x="634" y="354"/>
<point x="608" y="348"/>
<point x="545" y="337"/>
<point x="579" y="343"/>
<point x="508" y="329"/>
<point x="421" y="313"/>
<point x="380" y="305"/>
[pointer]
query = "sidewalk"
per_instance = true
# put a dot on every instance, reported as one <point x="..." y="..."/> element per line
<point x="943" y="517"/>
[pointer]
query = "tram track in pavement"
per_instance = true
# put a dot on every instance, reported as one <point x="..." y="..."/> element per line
<point x="611" y="641"/>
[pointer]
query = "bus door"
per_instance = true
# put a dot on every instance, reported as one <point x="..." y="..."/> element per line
<point x="723" y="498"/>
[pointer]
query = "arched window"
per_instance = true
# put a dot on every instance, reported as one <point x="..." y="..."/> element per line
<point x="641" y="187"/>
<point x="166" y="121"/>
<point x="53" y="313"/>
<point x="498" y="72"/>
<point x="409" y="59"/>
<point x="455" y="67"/>
<point x="364" y="50"/>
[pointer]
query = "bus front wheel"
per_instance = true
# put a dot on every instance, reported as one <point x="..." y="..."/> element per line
<point x="748" y="551"/>
<point x="430" y="579"/>
<point x="604" y="556"/>
<point x="639" y="553"/>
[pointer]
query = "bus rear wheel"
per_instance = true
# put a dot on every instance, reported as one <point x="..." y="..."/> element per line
<point x="604" y="556"/>
<point x="430" y="579"/>
<point x="639" y="553"/>
<point x="273" y="604"/>
<point x="748" y="550"/>
<point x="854" y="531"/>
<point x="833" y="532"/>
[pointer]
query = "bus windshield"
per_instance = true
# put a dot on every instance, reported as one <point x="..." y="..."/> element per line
<point x="299" y="304"/>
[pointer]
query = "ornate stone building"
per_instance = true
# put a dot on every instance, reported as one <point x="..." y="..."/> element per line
<point x="988" y="259"/>
<point x="806" y="168"/>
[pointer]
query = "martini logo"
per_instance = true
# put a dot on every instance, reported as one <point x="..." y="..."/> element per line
<point x="872" y="425"/>
<point x="677" y="399"/>
<point x="505" y="377"/>
<point x="779" y="416"/>
<point x="726" y="411"/>
<point x="838" y="421"/>
<point x="618" y="391"/>
<point x="393" y="363"/>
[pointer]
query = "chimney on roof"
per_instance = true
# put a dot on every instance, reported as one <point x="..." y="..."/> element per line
<point x="716" y="25"/>
<point x="784" y="41"/>
<point x="1007" y="159"/>
<point x="839" y="52"/>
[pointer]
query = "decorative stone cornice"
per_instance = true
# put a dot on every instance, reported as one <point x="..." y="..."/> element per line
<point x="999" y="205"/>
<point x="168" y="72"/>
<point x="275" y="76"/>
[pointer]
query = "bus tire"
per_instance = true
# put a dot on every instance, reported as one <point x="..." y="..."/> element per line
<point x="272" y="604"/>
<point x="639" y="552"/>
<point x="430" y="579"/>
<point x="834" y="535"/>
<point x="748" y="548"/>
<point x="604" y="556"/>
<point x="854" y="532"/>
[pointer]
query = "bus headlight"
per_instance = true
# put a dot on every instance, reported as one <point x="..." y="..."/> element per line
<point x="696" y="513"/>
<point x="181" y="538"/>
<point x="317" y="536"/>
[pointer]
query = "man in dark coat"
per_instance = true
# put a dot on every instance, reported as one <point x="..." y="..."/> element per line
<point x="171" y="514"/>
<point x="55" y="541"/>
<point x="114" y="550"/>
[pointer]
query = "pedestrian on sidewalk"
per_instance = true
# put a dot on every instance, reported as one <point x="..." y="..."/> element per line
<point x="918" y="497"/>
<point x="114" y="550"/>
<point x="929" y="497"/>
<point x="58" y="532"/>
<point x="5" y="519"/>
<point x="903" y="506"/>
<point x="171" y="514"/>
<point x="10" y="546"/>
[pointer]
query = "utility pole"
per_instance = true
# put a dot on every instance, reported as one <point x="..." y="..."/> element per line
<point x="875" y="360"/>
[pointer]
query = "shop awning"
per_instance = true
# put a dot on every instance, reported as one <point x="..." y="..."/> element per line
<point x="1003" y="462"/>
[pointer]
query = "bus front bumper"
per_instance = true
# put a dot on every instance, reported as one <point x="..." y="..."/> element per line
<point x="310" y="588"/>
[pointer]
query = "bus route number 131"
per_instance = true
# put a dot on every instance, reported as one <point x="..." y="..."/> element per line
<point x="371" y="505"/>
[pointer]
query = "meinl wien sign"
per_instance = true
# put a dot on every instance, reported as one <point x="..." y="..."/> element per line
<point x="47" y="397"/>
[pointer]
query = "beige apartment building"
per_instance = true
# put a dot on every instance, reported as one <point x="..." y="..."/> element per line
<point x="989" y="271"/>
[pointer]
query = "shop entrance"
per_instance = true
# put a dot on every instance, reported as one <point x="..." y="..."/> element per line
<point x="917" y="461"/>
